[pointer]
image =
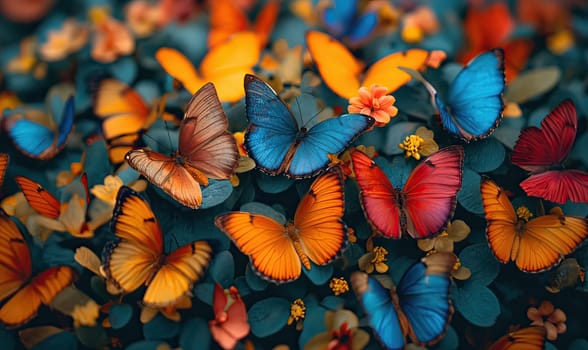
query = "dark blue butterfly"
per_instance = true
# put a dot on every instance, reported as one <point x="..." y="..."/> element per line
<point x="37" y="140"/>
<point x="474" y="103"/>
<point x="418" y="307"/>
<point x="342" y="21"/>
<point x="280" y="146"/>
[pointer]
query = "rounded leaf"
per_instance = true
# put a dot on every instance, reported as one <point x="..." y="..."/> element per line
<point x="92" y="337"/>
<point x="319" y="275"/>
<point x="450" y="341"/>
<point x="509" y="130"/>
<point x="222" y="268"/>
<point x="263" y="209"/>
<point x="484" y="156"/>
<point x="396" y="134"/>
<point x="160" y="328"/>
<point x="273" y="184"/>
<point x="268" y="316"/>
<point x="332" y="302"/>
<point x="147" y="345"/>
<point x="481" y="262"/>
<point x="62" y="341"/>
<point x="120" y="315"/>
<point x="195" y="335"/>
<point x="477" y="304"/>
<point x="469" y="195"/>
<point x="532" y="83"/>
<point x="314" y="323"/>
<point x="7" y="340"/>
<point x="255" y="282"/>
<point x="215" y="193"/>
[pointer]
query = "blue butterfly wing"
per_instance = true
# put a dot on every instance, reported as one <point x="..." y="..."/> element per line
<point x="383" y="319"/>
<point x="424" y="299"/>
<point x="330" y="136"/>
<point x="475" y="97"/>
<point x="67" y="120"/>
<point x="339" y="16"/>
<point x="363" y="27"/>
<point x="31" y="138"/>
<point x="272" y="128"/>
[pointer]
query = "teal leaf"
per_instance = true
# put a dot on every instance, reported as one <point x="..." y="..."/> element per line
<point x="7" y="340"/>
<point x="204" y="291"/>
<point x="96" y="163"/>
<point x="318" y="275"/>
<point x="273" y="184"/>
<point x="332" y="302"/>
<point x="314" y="323"/>
<point x="477" y="304"/>
<point x="195" y="335"/>
<point x="146" y="345"/>
<point x="396" y="134"/>
<point x="222" y="268"/>
<point x="469" y="196"/>
<point x="242" y="286"/>
<point x="268" y="316"/>
<point x="92" y="337"/>
<point x="120" y="315"/>
<point x="397" y="171"/>
<point x="484" y="156"/>
<point x="579" y="344"/>
<point x="450" y="341"/>
<point x="215" y="193"/>
<point x="62" y="341"/>
<point x="481" y="262"/>
<point x="160" y="328"/>
<point x="255" y="282"/>
<point x="263" y="209"/>
<point x="508" y="131"/>
<point x="549" y="346"/>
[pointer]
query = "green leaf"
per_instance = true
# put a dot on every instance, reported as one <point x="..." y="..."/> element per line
<point x="62" y="341"/>
<point x="222" y="268"/>
<point x="332" y="302"/>
<point x="396" y="134"/>
<point x="215" y="193"/>
<point x="273" y="184"/>
<point x="263" y="209"/>
<point x="195" y="335"/>
<point x="314" y="323"/>
<point x="160" y="328"/>
<point x="469" y="196"/>
<point x="120" y="315"/>
<point x="147" y="345"/>
<point x="268" y="316"/>
<point x="92" y="337"/>
<point x="7" y="340"/>
<point x="477" y="304"/>
<point x="255" y="282"/>
<point x="450" y="341"/>
<point x="318" y="275"/>
<point x="508" y="131"/>
<point x="481" y="262"/>
<point x="531" y="84"/>
<point x="484" y="156"/>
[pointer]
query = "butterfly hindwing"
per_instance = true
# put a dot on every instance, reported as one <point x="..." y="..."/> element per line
<point x="528" y="338"/>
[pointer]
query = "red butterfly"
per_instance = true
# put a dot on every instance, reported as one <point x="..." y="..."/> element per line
<point x="230" y="317"/>
<point x="423" y="206"/>
<point x="541" y="151"/>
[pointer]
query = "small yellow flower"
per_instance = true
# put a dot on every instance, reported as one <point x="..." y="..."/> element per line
<point x="297" y="313"/>
<point x="457" y="231"/>
<point x="107" y="192"/>
<point x="524" y="213"/>
<point x="420" y="144"/>
<point x="374" y="260"/>
<point x="560" y="42"/>
<point x="374" y="102"/>
<point x="339" y="285"/>
<point x="86" y="314"/>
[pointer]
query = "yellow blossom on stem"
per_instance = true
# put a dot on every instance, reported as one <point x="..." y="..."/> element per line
<point x="297" y="313"/>
<point x="374" y="260"/>
<point x="420" y="144"/>
<point x="524" y="213"/>
<point x="374" y="102"/>
<point x="339" y="285"/>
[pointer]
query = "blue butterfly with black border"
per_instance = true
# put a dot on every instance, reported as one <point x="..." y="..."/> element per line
<point x="474" y="103"/>
<point x="342" y="20"/>
<point x="418" y="307"/>
<point x="37" y="140"/>
<point x="279" y="145"/>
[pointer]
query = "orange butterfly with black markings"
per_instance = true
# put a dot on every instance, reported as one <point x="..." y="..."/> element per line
<point x="138" y="258"/>
<point x="528" y="338"/>
<point x="535" y="244"/>
<point x="344" y="74"/>
<point x="206" y="149"/>
<point x="124" y="115"/>
<point x="22" y="293"/>
<point x="4" y="159"/>
<point x="317" y="233"/>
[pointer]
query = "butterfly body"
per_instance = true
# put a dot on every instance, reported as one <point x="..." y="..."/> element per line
<point x="423" y="206"/>
<point x="418" y="307"/>
<point x="277" y="251"/>
<point x="280" y="146"/>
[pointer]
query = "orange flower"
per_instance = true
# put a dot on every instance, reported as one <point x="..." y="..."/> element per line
<point x="554" y="320"/>
<point x="70" y="38"/>
<point x="111" y="37"/>
<point x="374" y="102"/>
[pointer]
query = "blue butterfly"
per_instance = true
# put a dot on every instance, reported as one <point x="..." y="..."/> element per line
<point x="342" y="21"/>
<point x="419" y="306"/>
<point x="474" y="105"/>
<point x="280" y="146"/>
<point x="36" y="140"/>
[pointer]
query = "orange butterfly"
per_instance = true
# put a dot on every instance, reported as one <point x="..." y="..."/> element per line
<point x="317" y="233"/>
<point x="4" y="158"/>
<point x="138" y="258"/>
<point x="205" y="150"/>
<point x="25" y="292"/>
<point x="534" y="245"/>
<point x="230" y="317"/>
<point x="226" y="19"/>
<point x="125" y="114"/>
<point x="69" y="216"/>
<point x="224" y="66"/>
<point x="344" y="74"/>
<point x="529" y="338"/>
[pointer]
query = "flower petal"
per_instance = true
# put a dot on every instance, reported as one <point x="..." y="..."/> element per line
<point x="458" y="230"/>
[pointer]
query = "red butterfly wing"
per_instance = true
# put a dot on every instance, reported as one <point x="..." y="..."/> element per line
<point x="429" y="194"/>
<point x="558" y="186"/>
<point x="377" y="195"/>
<point x="538" y="149"/>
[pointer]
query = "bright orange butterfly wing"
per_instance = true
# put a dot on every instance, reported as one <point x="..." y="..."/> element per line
<point x="4" y="158"/>
<point x="536" y="245"/>
<point x="230" y="323"/>
<point x="39" y="198"/>
<point x="26" y="294"/>
<point x="224" y="66"/>
<point x="227" y="19"/>
<point x="317" y="233"/>
<point x="138" y="257"/>
<point x="345" y="77"/>
<point x="529" y="338"/>
<point x="206" y="150"/>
